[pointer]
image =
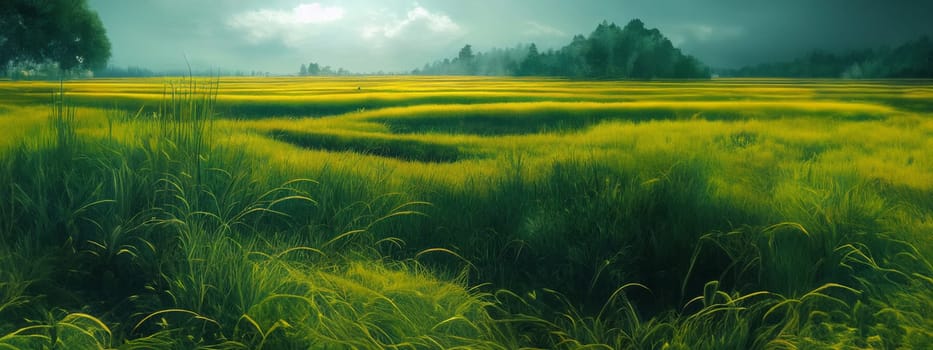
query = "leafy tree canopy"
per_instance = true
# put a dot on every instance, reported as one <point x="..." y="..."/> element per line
<point x="65" y="32"/>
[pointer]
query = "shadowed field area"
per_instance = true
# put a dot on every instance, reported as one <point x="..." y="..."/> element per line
<point x="459" y="212"/>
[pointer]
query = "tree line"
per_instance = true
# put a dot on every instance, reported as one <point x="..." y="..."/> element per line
<point x="913" y="59"/>
<point x="314" y="69"/>
<point x="610" y="51"/>
<point x="113" y="71"/>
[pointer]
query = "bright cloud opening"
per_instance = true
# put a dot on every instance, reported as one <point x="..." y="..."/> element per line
<point x="265" y="24"/>
<point x="416" y="18"/>
<point x="315" y="13"/>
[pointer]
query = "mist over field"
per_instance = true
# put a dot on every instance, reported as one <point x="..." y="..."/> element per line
<point x="521" y="175"/>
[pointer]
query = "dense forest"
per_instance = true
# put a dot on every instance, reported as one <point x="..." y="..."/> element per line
<point x="913" y="59"/>
<point x="611" y="51"/>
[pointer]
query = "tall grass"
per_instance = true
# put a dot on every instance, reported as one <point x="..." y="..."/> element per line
<point x="175" y="243"/>
<point x="162" y="225"/>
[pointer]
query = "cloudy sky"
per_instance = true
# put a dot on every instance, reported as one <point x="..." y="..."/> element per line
<point x="399" y="35"/>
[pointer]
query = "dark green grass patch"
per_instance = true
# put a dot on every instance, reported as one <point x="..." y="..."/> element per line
<point x="560" y="119"/>
<point x="411" y="150"/>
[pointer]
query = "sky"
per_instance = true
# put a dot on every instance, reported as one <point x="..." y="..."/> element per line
<point x="369" y="36"/>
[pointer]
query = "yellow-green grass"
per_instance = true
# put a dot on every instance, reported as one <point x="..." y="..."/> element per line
<point x="797" y="212"/>
<point x="253" y="97"/>
<point x="787" y="133"/>
<point x="19" y="122"/>
<point x="761" y="137"/>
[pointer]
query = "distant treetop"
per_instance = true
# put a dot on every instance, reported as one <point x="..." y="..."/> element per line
<point x="632" y="52"/>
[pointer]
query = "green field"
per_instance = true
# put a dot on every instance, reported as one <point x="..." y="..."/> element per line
<point x="459" y="212"/>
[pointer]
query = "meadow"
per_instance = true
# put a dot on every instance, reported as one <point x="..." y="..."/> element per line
<point x="466" y="212"/>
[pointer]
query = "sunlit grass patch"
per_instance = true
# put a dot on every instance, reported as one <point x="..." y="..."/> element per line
<point x="20" y="123"/>
<point x="521" y="118"/>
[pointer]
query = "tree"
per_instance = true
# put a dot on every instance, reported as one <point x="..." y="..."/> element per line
<point x="466" y="53"/>
<point x="65" y="32"/>
<point x="303" y="71"/>
<point x="466" y="60"/>
<point x="314" y="69"/>
<point x="532" y="63"/>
